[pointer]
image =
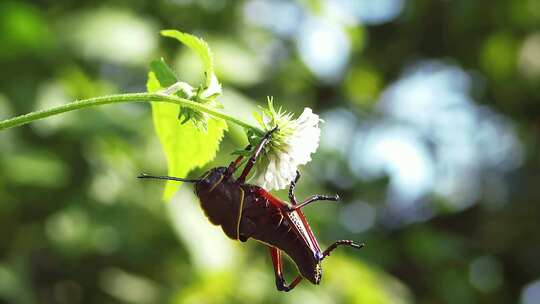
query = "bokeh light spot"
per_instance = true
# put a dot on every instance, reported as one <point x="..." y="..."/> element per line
<point x="358" y="216"/>
<point x="531" y="293"/>
<point x="529" y="58"/>
<point x="114" y="35"/>
<point x="324" y="47"/>
<point x="485" y="273"/>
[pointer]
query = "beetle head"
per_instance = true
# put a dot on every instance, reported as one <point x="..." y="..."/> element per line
<point x="210" y="179"/>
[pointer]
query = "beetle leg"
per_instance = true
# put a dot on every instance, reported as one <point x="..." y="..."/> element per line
<point x="251" y="162"/>
<point x="338" y="243"/>
<point x="234" y="164"/>
<point x="315" y="198"/>
<point x="278" y="270"/>
<point x="292" y="197"/>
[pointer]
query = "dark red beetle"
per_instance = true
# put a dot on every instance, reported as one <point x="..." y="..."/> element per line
<point x="247" y="211"/>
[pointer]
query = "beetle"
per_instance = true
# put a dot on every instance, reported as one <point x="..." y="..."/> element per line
<point x="247" y="211"/>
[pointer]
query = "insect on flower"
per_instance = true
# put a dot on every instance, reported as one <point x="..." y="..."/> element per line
<point x="247" y="211"/>
<point x="291" y="146"/>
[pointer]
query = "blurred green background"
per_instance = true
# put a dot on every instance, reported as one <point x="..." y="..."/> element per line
<point x="431" y="113"/>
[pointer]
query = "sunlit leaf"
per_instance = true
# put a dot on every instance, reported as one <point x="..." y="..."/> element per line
<point x="186" y="147"/>
<point x="164" y="74"/>
<point x="201" y="48"/>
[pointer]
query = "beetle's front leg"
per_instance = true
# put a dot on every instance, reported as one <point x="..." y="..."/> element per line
<point x="258" y="150"/>
<point x="234" y="164"/>
<point x="292" y="197"/>
<point x="278" y="270"/>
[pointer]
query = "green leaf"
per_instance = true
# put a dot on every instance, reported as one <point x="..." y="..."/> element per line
<point x="186" y="147"/>
<point x="167" y="78"/>
<point x="163" y="72"/>
<point x="200" y="47"/>
<point x="206" y="93"/>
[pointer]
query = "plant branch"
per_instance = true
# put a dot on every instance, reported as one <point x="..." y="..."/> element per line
<point x="120" y="98"/>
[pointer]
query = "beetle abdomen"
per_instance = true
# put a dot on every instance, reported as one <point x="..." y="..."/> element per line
<point x="247" y="211"/>
<point x="271" y="225"/>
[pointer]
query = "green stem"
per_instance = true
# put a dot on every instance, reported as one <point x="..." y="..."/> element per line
<point x="131" y="97"/>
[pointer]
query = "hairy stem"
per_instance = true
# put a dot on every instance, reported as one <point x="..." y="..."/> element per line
<point x="131" y="97"/>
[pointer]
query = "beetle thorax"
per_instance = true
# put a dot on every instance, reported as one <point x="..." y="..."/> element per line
<point x="221" y="199"/>
<point x="210" y="180"/>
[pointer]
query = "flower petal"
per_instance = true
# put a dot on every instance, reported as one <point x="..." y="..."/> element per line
<point x="291" y="146"/>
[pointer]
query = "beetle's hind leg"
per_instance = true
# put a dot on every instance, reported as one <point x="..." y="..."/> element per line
<point x="340" y="243"/>
<point x="278" y="270"/>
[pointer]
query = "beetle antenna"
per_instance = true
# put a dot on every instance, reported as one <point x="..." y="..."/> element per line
<point x="178" y="179"/>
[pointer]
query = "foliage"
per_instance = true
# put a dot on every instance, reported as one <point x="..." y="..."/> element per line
<point x="446" y="203"/>
<point x="190" y="140"/>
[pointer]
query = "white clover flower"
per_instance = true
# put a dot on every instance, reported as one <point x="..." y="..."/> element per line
<point x="291" y="146"/>
<point x="213" y="90"/>
<point x="179" y="86"/>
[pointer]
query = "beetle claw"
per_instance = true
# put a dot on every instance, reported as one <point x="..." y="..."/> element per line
<point x="276" y="128"/>
<point x="358" y="246"/>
